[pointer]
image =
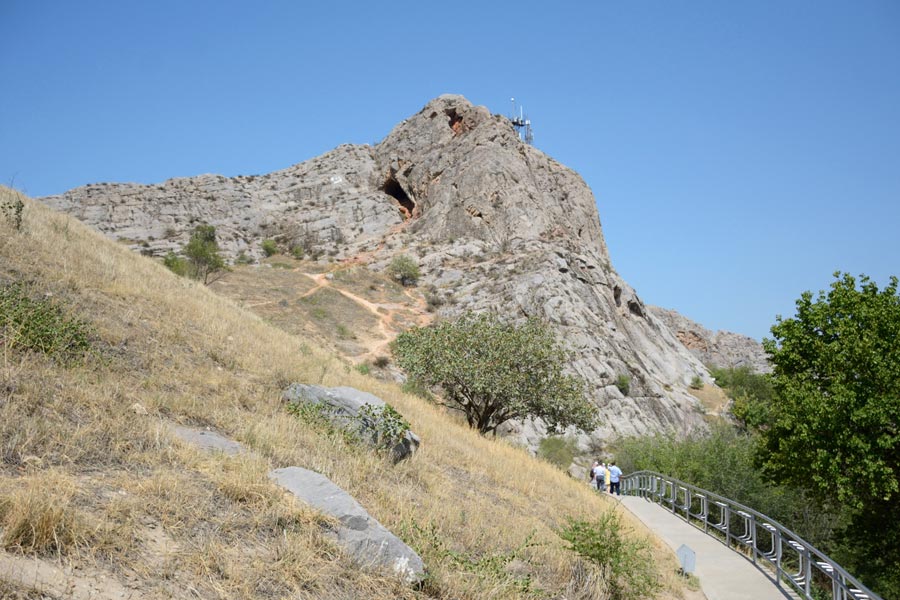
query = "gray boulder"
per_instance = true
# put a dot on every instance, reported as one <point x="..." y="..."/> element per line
<point x="360" y="534"/>
<point x="353" y="410"/>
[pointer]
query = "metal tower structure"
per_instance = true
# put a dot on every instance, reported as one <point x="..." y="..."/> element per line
<point x="522" y="123"/>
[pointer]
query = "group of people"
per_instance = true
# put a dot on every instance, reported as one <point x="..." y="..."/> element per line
<point x="606" y="477"/>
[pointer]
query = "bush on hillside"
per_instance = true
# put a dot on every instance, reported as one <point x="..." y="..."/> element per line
<point x="269" y="247"/>
<point x="11" y="207"/>
<point x="623" y="382"/>
<point x="40" y="325"/>
<point x="626" y="560"/>
<point x="404" y="269"/>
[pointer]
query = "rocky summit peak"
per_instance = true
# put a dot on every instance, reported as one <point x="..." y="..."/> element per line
<point x="494" y="222"/>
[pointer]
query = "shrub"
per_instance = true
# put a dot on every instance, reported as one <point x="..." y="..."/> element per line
<point x="388" y="425"/>
<point x="628" y="561"/>
<point x="404" y="269"/>
<point x="11" y="208"/>
<point x="269" y="247"/>
<point x="623" y="382"/>
<point x="298" y="252"/>
<point x="696" y="382"/>
<point x="382" y="361"/>
<point x="40" y="325"/>
<point x="243" y="259"/>
<point x="363" y="368"/>
<point x="176" y="264"/>
<point x="558" y="450"/>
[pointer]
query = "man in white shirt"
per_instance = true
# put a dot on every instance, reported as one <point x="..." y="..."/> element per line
<point x="614" y="474"/>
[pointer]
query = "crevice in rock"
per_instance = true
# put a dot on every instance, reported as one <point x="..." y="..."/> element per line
<point x="635" y="308"/>
<point x="392" y="188"/>
<point x="456" y="121"/>
<point x="617" y="295"/>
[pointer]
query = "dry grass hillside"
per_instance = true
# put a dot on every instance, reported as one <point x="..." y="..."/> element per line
<point x="99" y="500"/>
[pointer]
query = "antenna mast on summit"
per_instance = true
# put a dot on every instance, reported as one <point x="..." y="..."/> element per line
<point x="522" y="123"/>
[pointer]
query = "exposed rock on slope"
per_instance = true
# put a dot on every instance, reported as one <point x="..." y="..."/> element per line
<point x="719" y="348"/>
<point x="494" y="222"/>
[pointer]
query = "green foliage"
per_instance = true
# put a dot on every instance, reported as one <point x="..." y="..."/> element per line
<point x="40" y="325"/>
<point x="417" y="388"/>
<point x="696" y="382"/>
<point x="725" y="462"/>
<point x="202" y="252"/>
<point x="363" y="368"/>
<point x="11" y="208"/>
<point x="404" y="269"/>
<point x="243" y="259"/>
<point x="752" y="395"/>
<point x="269" y="247"/>
<point x="837" y="375"/>
<point x="382" y="361"/>
<point x="623" y="382"/>
<point x="383" y="426"/>
<point x="628" y="561"/>
<point x="493" y="371"/>
<point x="388" y="426"/>
<point x="431" y="545"/>
<point x="558" y="450"/>
<point x="834" y="429"/>
<point x="298" y="252"/>
<point x="176" y="264"/>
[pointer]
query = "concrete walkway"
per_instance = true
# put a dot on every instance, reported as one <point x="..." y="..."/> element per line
<point x="723" y="573"/>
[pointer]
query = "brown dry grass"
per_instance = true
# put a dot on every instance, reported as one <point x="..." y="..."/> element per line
<point x="108" y="487"/>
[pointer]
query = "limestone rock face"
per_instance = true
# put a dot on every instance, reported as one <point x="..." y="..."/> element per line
<point x="494" y="223"/>
<point x="719" y="348"/>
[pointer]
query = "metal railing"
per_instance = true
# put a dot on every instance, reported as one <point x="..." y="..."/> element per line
<point x="777" y="551"/>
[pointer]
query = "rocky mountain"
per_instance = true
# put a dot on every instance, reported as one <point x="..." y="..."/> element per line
<point x="714" y="348"/>
<point x="494" y="224"/>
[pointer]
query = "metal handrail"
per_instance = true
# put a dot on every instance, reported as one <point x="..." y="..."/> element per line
<point x="771" y="546"/>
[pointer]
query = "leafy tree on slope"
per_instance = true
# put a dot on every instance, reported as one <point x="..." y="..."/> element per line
<point x="493" y="371"/>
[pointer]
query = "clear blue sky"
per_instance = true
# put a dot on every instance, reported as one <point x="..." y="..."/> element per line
<point x="739" y="152"/>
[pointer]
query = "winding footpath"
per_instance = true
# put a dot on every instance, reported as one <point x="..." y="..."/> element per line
<point x="723" y="573"/>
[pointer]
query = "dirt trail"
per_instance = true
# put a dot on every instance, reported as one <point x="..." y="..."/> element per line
<point x="384" y="312"/>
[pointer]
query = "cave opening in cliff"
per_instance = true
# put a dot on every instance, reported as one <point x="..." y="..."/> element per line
<point x="456" y="121"/>
<point x="393" y="189"/>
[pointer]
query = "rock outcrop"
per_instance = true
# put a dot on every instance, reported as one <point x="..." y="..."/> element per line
<point x="495" y="223"/>
<point x="363" y="537"/>
<point x="715" y="348"/>
<point x="360" y="413"/>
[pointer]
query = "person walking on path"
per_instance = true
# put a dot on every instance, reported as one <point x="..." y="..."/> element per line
<point x="605" y="477"/>
<point x="614" y="474"/>
<point x="601" y="477"/>
<point x="594" y="471"/>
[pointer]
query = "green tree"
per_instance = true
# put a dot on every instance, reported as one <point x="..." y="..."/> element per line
<point x="404" y="269"/>
<point x="493" y="371"/>
<point x="202" y="252"/>
<point x="835" y="428"/>
<point x="836" y="425"/>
